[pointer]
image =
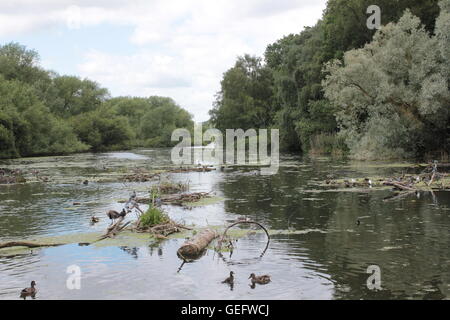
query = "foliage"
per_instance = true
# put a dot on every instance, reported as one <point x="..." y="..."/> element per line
<point x="245" y="100"/>
<point x="42" y="113"/>
<point x="392" y="96"/>
<point x="153" y="216"/>
<point x="294" y="64"/>
<point x="152" y="119"/>
<point x="325" y="143"/>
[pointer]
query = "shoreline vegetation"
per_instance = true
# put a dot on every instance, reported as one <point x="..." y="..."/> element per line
<point x="43" y="113"/>
<point x="336" y="88"/>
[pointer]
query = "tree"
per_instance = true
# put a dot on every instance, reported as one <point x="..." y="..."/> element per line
<point x="75" y="96"/>
<point x="161" y="118"/>
<point x="19" y="63"/>
<point x="245" y="100"/>
<point x="391" y="95"/>
<point x="27" y="127"/>
<point x="103" y="130"/>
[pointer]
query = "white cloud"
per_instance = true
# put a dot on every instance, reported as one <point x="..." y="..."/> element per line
<point x="183" y="47"/>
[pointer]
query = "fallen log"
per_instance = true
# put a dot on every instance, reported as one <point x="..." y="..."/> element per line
<point x="194" y="247"/>
<point x="398" y="185"/>
<point x="28" y="244"/>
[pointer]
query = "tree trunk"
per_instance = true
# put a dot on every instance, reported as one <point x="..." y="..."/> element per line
<point x="195" y="246"/>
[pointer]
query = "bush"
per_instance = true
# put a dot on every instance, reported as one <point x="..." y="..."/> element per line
<point x="152" y="217"/>
<point x="326" y="143"/>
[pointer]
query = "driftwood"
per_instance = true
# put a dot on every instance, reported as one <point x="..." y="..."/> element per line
<point x="176" y="199"/>
<point x="163" y="229"/>
<point x="179" y="199"/>
<point x="114" y="229"/>
<point x="194" y="247"/>
<point x="27" y="244"/>
<point x="198" y="169"/>
<point x="140" y="176"/>
<point x="399" y="185"/>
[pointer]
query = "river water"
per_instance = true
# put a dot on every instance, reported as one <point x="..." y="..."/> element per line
<point x="323" y="253"/>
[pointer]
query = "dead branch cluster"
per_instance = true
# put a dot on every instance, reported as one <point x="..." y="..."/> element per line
<point x="179" y="199"/>
<point x="169" y="188"/>
<point x="428" y="176"/>
<point x="162" y="230"/>
<point x="140" y="175"/>
<point x="176" y="199"/>
<point x="193" y="169"/>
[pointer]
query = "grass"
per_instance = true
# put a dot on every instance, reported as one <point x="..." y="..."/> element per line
<point x="153" y="216"/>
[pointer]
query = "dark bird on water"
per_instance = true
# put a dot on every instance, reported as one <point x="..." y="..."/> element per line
<point x="29" y="292"/>
<point x="94" y="219"/>
<point x="230" y="279"/>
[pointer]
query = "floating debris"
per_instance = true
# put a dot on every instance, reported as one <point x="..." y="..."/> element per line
<point x="176" y="199"/>
<point x="428" y="179"/>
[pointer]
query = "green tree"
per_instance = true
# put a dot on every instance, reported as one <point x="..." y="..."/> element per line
<point x="26" y="125"/>
<point x="75" y="96"/>
<point x="246" y="99"/>
<point x="392" y="96"/>
<point x="103" y="130"/>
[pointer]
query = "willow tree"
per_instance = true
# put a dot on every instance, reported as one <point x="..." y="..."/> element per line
<point x="392" y="96"/>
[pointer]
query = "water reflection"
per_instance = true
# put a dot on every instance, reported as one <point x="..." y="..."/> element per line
<point x="334" y="236"/>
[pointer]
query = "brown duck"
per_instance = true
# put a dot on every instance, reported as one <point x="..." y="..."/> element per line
<point x="29" y="292"/>
<point x="264" y="279"/>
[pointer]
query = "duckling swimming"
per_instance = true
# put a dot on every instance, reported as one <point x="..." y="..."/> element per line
<point x="264" y="279"/>
<point x="29" y="292"/>
<point x="94" y="219"/>
<point x="230" y="279"/>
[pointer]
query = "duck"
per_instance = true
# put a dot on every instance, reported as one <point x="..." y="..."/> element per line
<point x="264" y="279"/>
<point x="94" y="219"/>
<point x="230" y="279"/>
<point x="29" y="292"/>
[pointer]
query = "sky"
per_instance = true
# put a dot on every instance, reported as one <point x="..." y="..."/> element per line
<point x="174" y="48"/>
